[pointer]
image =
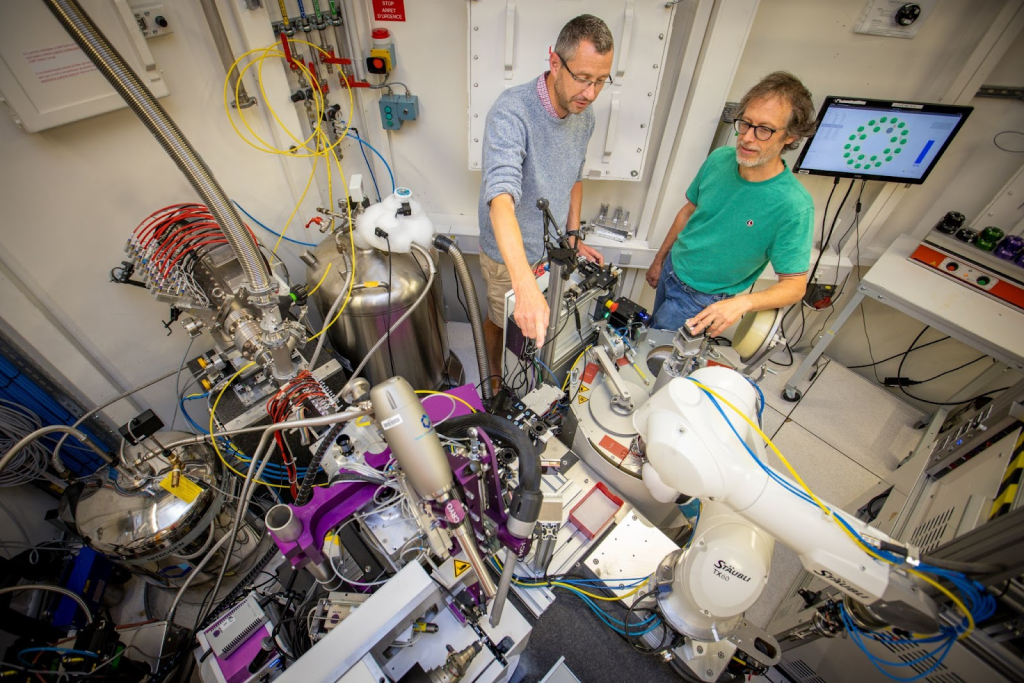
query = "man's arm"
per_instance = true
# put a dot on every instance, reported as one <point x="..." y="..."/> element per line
<point x="720" y="315"/>
<point x="531" y="313"/>
<point x="573" y="223"/>
<point x="654" y="272"/>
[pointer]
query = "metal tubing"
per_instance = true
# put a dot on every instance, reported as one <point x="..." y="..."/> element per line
<point x="227" y="58"/>
<point x="503" y="585"/>
<point x="556" y="290"/>
<point x="464" y="535"/>
<point x="127" y="84"/>
<point x="53" y="589"/>
<point x="448" y="246"/>
<point x="16" y="448"/>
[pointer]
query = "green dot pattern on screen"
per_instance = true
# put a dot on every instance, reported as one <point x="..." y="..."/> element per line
<point x="875" y="141"/>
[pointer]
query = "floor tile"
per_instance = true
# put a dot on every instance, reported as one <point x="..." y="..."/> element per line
<point x="872" y="427"/>
<point x="831" y="475"/>
<point x="773" y="421"/>
<point x="772" y="385"/>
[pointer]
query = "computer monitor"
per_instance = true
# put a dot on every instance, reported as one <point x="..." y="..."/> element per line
<point x="880" y="140"/>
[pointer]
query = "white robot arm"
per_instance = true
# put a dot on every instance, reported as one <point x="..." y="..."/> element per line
<point x="692" y="449"/>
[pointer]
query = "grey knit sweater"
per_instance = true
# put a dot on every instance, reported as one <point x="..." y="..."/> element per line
<point x="529" y="154"/>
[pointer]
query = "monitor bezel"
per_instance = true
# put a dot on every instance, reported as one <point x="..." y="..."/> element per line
<point x="888" y="105"/>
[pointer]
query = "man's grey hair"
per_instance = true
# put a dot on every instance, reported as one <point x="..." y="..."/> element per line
<point x="787" y="87"/>
<point x="584" y="27"/>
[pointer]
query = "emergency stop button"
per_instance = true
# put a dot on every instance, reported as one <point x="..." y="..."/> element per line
<point x="952" y="267"/>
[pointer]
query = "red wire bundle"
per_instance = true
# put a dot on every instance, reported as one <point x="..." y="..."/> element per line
<point x="290" y="398"/>
<point x="177" y="230"/>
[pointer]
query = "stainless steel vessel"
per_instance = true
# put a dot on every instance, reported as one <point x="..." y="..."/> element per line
<point x="420" y="345"/>
<point x="157" y="533"/>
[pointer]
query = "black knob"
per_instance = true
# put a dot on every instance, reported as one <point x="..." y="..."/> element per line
<point x="161" y="22"/>
<point x="542" y="204"/>
<point x="908" y="14"/>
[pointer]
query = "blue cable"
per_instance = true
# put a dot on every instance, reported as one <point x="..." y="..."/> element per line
<point x="939" y="653"/>
<point x="61" y="650"/>
<point x="383" y="160"/>
<point x="369" y="168"/>
<point x="760" y="409"/>
<point x="272" y="470"/>
<point x="272" y="232"/>
<point x="541" y="363"/>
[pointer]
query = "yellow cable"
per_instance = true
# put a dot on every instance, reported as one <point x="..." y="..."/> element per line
<point x="641" y="373"/>
<point x="445" y="393"/>
<point x="322" y="278"/>
<point x="866" y="548"/>
<point x="213" y="413"/>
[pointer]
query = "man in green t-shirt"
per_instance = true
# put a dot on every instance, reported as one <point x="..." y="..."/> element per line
<point x="745" y="209"/>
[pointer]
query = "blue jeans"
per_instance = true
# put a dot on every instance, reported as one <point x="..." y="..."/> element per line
<point x="676" y="302"/>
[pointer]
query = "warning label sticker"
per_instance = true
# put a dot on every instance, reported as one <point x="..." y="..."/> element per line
<point x="583" y="399"/>
<point x="460" y="568"/>
<point x="389" y="10"/>
<point x="590" y="372"/>
<point x="187" y="490"/>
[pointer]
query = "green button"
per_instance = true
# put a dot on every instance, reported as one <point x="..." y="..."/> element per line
<point x="387" y="110"/>
<point x="983" y="280"/>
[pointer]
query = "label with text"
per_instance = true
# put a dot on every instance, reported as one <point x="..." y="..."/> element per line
<point x="389" y="10"/>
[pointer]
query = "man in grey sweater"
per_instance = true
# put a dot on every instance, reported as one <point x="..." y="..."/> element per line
<point x="535" y="142"/>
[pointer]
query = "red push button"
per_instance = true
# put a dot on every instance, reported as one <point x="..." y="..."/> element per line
<point x="951" y="267"/>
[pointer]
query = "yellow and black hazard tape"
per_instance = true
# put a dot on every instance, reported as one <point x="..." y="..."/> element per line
<point x="1007" y="492"/>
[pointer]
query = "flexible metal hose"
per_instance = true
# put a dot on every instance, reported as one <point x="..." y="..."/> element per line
<point x="448" y="246"/>
<point x="306" y="489"/>
<point x="53" y="589"/>
<point x="128" y="85"/>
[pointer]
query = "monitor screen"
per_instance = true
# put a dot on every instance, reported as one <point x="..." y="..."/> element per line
<point x="879" y="140"/>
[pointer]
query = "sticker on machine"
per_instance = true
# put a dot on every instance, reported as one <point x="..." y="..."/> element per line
<point x="613" y="447"/>
<point x="460" y="568"/>
<point x="590" y="372"/>
<point x="187" y="490"/>
<point x="391" y="422"/>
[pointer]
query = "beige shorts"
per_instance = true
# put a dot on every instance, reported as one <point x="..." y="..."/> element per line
<point x="498" y="281"/>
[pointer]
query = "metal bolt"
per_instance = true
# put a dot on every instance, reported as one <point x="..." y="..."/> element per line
<point x="638" y="150"/>
<point x="643" y="125"/>
<point x="710" y="672"/>
<point x="634" y="173"/>
<point x="634" y="518"/>
<point x="700" y="650"/>
<point x="661" y="36"/>
<point x="862" y="568"/>
<point x="366" y="569"/>
<point x="476" y="56"/>
<point x="146" y="13"/>
<point x="476" y="116"/>
<point x="476" y="139"/>
<point x="476" y="85"/>
<point x="721" y="655"/>
<point x="595" y="560"/>
<point x="476" y="28"/>
<point x="655" y="66"/>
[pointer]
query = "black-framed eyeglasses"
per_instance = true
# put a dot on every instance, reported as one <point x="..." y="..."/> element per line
<point x="762" y="133"/>
<point x="583" y="81"/>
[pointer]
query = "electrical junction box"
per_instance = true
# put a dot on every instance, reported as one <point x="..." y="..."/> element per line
<point x="510" y="44"/>
<point x="45" y="78"/>
<point x="397" y="108"/>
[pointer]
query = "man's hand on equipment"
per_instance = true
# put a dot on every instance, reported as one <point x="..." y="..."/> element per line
<point x="531" y="312"/>
<point x="719" y="315"/>
<point x="589" y="253"/>
<point x="654" y="273"/>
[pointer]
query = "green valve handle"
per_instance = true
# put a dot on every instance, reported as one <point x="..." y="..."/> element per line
<point x="989" y="238"/>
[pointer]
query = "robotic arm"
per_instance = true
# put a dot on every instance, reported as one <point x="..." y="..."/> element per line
<point x="707" y="451"/>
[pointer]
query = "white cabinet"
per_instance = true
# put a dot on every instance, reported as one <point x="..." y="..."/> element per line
<point x="509" y="44"/>
<point x="47" y="81"/>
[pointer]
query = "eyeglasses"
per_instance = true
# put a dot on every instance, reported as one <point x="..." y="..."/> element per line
<point x="583" y="81"/>
<point x="762" y="133"/>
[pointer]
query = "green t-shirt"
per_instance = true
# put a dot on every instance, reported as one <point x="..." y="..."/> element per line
<point x="740" y="227"/>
